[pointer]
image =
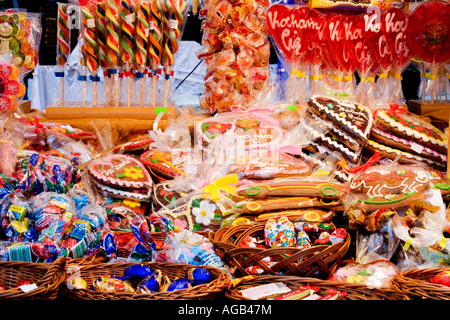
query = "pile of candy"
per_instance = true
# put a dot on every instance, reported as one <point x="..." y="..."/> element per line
<point x="141" y="279"/>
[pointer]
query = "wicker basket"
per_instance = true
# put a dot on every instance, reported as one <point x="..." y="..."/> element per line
<point x="91" y="272"/>
<point x="46" y="276"/>
<point x="354" y="291"/>
<point x="416" y="283"/>
<point x="317" y="261"/>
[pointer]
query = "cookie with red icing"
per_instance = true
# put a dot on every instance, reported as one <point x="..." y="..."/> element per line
<point x="136" y="143"/>
<point x="163" y="164"/>
<point x="411" y="127"/>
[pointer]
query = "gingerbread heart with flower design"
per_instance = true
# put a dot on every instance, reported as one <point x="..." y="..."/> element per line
<point x="120" y="170"/>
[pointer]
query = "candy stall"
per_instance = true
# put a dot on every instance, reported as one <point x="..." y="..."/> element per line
<point x="327" y="183"/>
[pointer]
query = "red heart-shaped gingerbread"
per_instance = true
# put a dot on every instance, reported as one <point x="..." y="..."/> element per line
<point x="120" y="170"/>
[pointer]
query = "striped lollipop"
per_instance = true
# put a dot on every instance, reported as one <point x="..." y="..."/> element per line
<point x="90" y="40"/>
<point x="142" y="29"/>
<point x="102" y="35"/>
<point x="128" y="42"/>
<point x="113" y="27"/>
<point x="156" y="34"/>
<point x="63" y="35"/>
<point x="112" y="41"/>
<point x="173" y="18"/>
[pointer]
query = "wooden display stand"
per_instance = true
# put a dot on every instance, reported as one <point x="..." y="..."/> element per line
<point x="437" y="112"/>
<point x="138" y="113"/>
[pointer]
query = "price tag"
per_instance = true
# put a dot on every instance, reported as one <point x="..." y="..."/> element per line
<point x="130" y="18"/>
<point x="152" y="25"/>
<point x="147" y="32"/>
<point x="417" y="147"/>
<point x="173" y="24"/>
<point x="90" y="23"/>
<point x="28" y="287"/>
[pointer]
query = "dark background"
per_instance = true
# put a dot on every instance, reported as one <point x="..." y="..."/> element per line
<point x="192" y="32"/>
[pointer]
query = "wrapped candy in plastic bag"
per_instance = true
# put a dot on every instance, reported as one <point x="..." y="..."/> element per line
<point x="236" y="52"/>
<point x="379" y="244"/>
<point x="191" y="248"/>
<point x="17" y="221"/>
<point x="375" y="275"/>
<point x="26" y="251"/>
<point x="7" y="154"/>
<point x="128" y="236"/>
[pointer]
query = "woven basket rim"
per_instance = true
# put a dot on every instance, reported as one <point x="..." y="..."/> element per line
<point x="416" y="283"/>
<point x="47" y="285"/>
<point x="356" y="290"/>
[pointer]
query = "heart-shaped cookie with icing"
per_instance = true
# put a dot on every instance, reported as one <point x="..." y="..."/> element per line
<point x="121" y="171"/>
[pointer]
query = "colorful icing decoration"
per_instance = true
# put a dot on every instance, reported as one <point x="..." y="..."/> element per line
<point x="120" y="170"/>
<point x="410" y="126"/>
<point x="348" y="116"/>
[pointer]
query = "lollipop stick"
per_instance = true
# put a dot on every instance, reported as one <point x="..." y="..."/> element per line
<point x="128" y="87"/>
<point x="62" y="87"/>
<point x="154" y="91"/>
<point x="142" y="90"/>
<point x="84" y="93"/>
<point x="94" y="92"/>
<point x="166" y="87"/>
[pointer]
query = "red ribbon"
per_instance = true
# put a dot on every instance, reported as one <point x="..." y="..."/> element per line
<point x="376" y="156"/>
<point x="127" y="73"/>
<point x="394" y="108"/>
<point x="37" y="124"/>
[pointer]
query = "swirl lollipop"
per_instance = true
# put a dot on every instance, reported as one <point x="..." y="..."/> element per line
<point x="113" y="27"/>
<point x="63" y="39"/>
<point x="142" y="32"/>
<point x="102" y="35"/>
<point x="90" y="47"/>
<point x="128" y="42"/>
<point x="173" y="19"/>
<point x="154" y="49"/>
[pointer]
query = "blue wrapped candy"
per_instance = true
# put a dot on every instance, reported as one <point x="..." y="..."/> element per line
<point x="197" y="276"/>
<point x="153" y="283"/>
<point x="137" y="272"/>
<point x="178" y="284"/>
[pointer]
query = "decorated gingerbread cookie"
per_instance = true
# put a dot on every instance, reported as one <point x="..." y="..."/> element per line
<point x="407" y="145"/>
<point x="71" y="132"/>
<point x="280" y="165"/>
<point x="352" y="118"/>
<point x="285" y="187"/>
<point x="161" y="163"/>
<point x="403" y="156"/>
<point x="412" y="127"/>
<point x="119" y="170"/>
<point x="166" y="195"/>
<point x="390" y="187"/>
<point x="136" y="143"/>
<point x="281" y="203"/>
<point x="241" y="129"/>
